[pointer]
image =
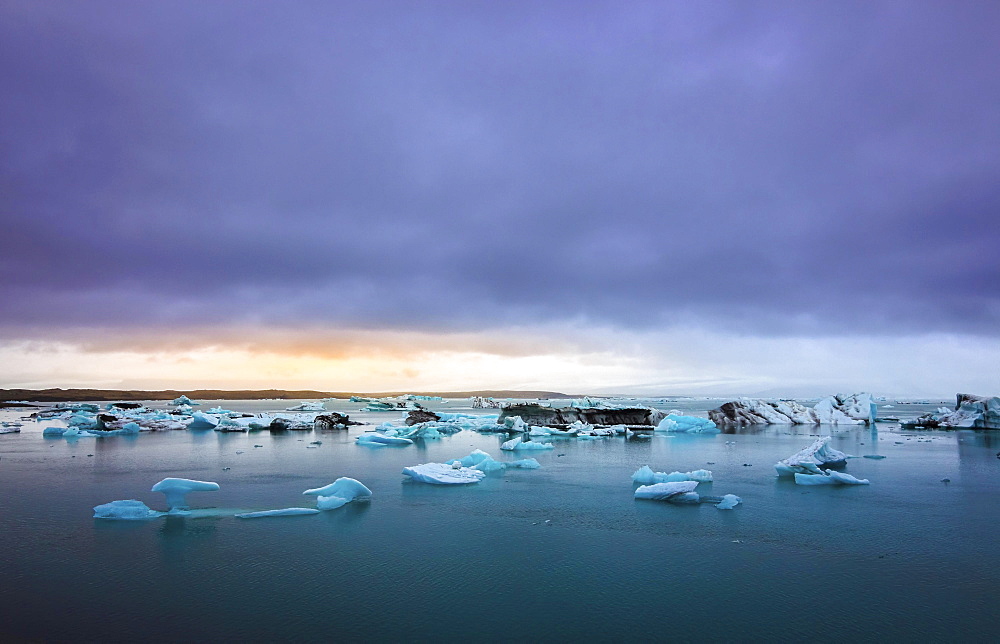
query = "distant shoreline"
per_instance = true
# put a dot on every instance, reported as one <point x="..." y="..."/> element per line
<point x="77" y="395"/>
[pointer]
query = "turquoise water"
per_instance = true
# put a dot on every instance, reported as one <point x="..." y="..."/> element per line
<point x="555" y="554"/>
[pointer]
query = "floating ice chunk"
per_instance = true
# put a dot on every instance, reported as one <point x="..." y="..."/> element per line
<point x="53" y="431"/>
<point x="646" y="476"/>
<point x="729" y="502"/>
<point x="284" y="512"/>
<point x="382" y="439"/>
<point x="519" y="444"/>
<point x="176" y="490"/>
<point x="828" y="477"/>
<point x="674" y="492"/>
<point x="689" y="424"/>
<point x="832" y="410"/>
<point x="808" y="460"/>
<point x="539" y="431"/>
<point x="443" y="474"/>
<point x="483" y="462"/>
<point x="201" y="420"/>
<point x="307" y="406"/>
<point x="875" y="456"/>
<point x="130" y="510"/>
<point x="183" y="400"/>
<point x="340" y="493"/>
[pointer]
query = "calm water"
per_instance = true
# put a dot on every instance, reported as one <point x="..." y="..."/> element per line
<point x="556" y="554"/>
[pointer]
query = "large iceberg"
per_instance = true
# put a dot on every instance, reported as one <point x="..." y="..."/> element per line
<point x="340" y="493"/>
<point x="840" y="409"/>
<point x="809" y="460"/>
<point x="646" y="476"/>
<point x="176" y="490"/>
<point x="443" y="474"/>
<point x="981" y="412"/>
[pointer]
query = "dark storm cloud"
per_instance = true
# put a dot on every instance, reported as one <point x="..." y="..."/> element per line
<point x="826" y="167"/>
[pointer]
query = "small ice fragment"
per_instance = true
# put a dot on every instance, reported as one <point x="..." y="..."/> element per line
<point x="519" y="444"/>
<point x="284" y="512"/>
<point x="673" y="492"/>
<point x="874" y="456"/>
<point x="729" y="502"/>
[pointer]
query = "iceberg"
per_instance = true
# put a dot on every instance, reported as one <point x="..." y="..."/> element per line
<point x="535" y="414"/>
<point x="130" y="510"/>
<point x="176" y="490"/>
<point x="307" y="406"/>
<point x="201" y="420"/>
<point x="183" y="400"/>
<point x="808" y="460"/>
<point x="673" y="492"/>
<point x="520" y="444"/>
<point x="284" y="512"/>
<point x="828" y="477"/>
<point x="381" y="439"/>
<point x="646" y="476"/>
<point x="443" y="474"/>
<point x="483" y="462"/>
<point x="339" y="493"/>
<point x="981" y="412"/>
<point x="692" y="424"/>
<point x="854" y="409"/>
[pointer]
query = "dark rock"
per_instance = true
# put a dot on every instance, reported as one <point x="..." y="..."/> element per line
<point x="535" y="414"/>
<point x="332" y="421"/>
<point x="421" y="416"/>
<point x="126" y="405"/>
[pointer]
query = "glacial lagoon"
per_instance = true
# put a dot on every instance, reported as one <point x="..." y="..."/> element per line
<point x="561" y="553"/>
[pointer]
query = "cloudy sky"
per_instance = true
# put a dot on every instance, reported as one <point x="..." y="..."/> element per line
<point x="665" y="197"/>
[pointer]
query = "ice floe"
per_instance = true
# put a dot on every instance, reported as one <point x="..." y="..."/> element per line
<point x="828" y="477"/>
<point x="443" y="474"/>
<point x="284" y="512"/>
<point x="130" y="510"/>
<point x="646" y="476"/>
<point x="519" y="443"/>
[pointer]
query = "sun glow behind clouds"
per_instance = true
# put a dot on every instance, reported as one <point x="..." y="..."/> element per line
<point x="572" y="359"/>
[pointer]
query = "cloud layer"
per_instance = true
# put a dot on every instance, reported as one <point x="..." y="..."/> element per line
<point x="766" y="169"/>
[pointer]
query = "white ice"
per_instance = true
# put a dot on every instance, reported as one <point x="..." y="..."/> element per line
<point x="340" y="493"/>
<point x="519" y="444"/>
<point x="828" y="477"/>
<point x="381" y="439"/>
<point x="808" y="460"/>
<point x="176" y="490"/>
<point x="674" y="492"/>
<point x="130" y="510"/>
<point x="307" y="406"/>
<point x="443" y="474"/>
<point x="729" y="502"/>
<point x="692" y="424"/>
<point x="646" y="476"/>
